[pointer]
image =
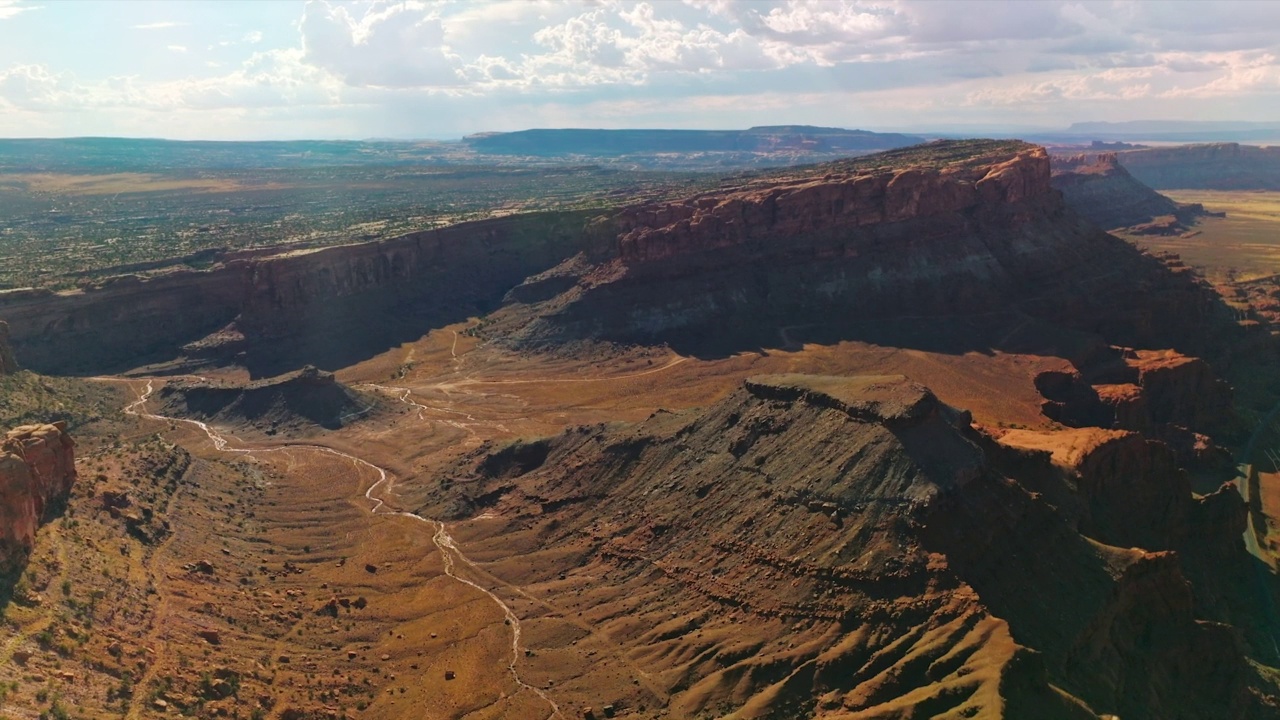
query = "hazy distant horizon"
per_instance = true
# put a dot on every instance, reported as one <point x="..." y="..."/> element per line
<point x="1126" y="131"/>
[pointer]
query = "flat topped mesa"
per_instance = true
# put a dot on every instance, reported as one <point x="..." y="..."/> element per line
<point x="832" y="199"/>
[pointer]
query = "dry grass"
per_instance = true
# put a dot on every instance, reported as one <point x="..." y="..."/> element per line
<point x="1244" y="245"/>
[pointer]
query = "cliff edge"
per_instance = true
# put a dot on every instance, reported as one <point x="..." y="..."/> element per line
<point x="37" y="469"/>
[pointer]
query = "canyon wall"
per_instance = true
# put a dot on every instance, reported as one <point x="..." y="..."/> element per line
<point x="352" y="296"/>
<point x="1216" y="166"/>
<point x="949" y="229"/>
<point x="1099" y="188"/>
<point x="37" y="469"/>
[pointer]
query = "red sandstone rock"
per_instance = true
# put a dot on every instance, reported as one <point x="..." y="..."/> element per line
<point x="37" y="468"/>
<point x="774" y="211"/>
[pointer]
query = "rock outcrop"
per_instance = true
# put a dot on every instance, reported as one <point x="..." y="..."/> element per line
<point x="853" y="546"/>
<point x="290" y="402"/>
<point x="936" y="231"/>
<point x="1141" y="390"/>
<point x="8" y="364"/>
<point x="37" y="469"/>
<point x="1099" y="188"/>
<point x="1214" y="166"/>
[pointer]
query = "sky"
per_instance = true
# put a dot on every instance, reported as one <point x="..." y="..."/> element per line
<point x="292" y="69"/>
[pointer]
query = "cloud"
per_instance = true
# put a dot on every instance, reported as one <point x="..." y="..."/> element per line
<point x="428" y="64"/>
<point x="35" y="87"/>
<point x="160" y="25"/>
<point x="13" y="8"/>
<point x="394" y="46"/>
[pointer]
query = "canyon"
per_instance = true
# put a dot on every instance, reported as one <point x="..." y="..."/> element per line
<point x="902" y="435"/>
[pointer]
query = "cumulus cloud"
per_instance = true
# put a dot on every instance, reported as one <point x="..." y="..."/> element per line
<point x="394" y="46"/>
<point x="36" y="87"/>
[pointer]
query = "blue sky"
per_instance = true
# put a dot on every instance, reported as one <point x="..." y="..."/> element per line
<point x="267" y="69"/>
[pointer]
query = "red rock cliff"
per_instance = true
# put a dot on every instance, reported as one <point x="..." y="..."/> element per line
<point x="37" y="469"/>
<point x="942" y="230"/>
<point x="833" y="202"/>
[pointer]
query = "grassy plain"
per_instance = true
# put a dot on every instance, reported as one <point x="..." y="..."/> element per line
<point x="1244" y="245"/>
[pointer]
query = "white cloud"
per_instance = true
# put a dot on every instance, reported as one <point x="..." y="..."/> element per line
<point x="35" y="87"/>
<point x="395" y="46"/>
<point x="12" y="8"/>
<point x="160" y="25"/>
<point x="619" y="61"/>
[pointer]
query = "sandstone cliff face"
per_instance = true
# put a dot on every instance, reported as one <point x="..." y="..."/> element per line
<point x="8" y="364"/>
<point x="1142" y="390"/>
<point x="37" y="469"/>
<point x="968" y="229"/>
<point x="834" y="203"/>
<point x="361" y="293"/>
<point x="1126" y="490"/>
<point x="1099" y="188"/>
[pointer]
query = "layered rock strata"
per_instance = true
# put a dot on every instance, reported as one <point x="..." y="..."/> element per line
<point x="964" y="228"/>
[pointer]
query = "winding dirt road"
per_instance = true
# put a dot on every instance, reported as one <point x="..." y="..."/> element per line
<point x="452" y="557"/>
